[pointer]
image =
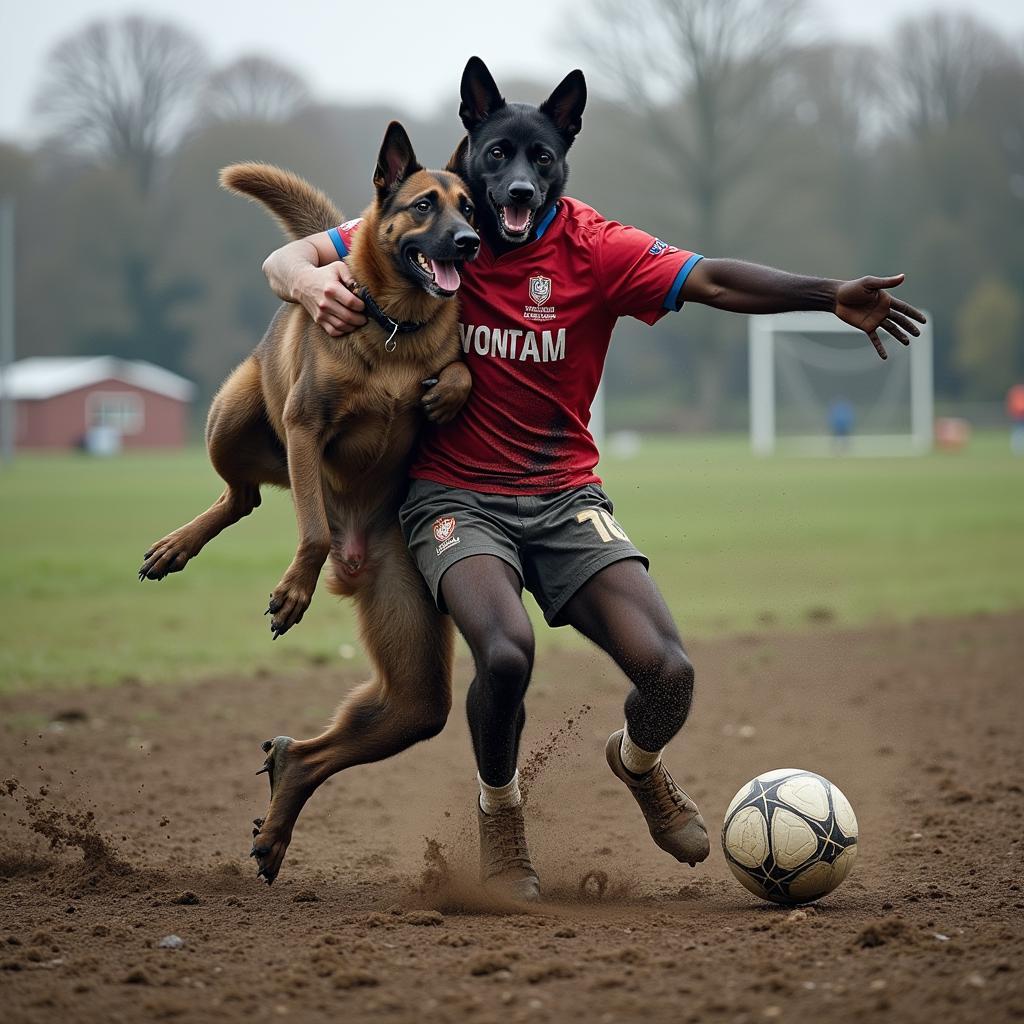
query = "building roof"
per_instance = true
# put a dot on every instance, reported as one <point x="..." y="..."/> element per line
<point x="47" y="376"/>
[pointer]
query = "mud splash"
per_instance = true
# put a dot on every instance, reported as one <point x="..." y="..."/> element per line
<point x="63" y="829"/>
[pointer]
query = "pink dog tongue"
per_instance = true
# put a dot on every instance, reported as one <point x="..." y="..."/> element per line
<point x="515" y="220"/>
<point x="446" y="275"/>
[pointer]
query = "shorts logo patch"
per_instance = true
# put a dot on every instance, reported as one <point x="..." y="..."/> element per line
<point x="444" y="528"/>
<point x="444" y="533"/>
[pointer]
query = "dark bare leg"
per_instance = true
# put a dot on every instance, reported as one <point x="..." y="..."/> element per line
<point x="407" y="700"/>
<point x="622" y="611"/>
<point x="484" y="596"/>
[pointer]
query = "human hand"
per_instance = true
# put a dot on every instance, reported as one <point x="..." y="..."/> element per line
<point x="327" y="295"/>
<point x="866" y="305"/>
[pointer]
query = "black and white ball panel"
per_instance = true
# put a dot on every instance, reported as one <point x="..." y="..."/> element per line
<point x="790" y="836"/>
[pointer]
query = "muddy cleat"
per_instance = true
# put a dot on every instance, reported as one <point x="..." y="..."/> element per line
<point x="505" y="865"/>
<point x="673" y="818"/>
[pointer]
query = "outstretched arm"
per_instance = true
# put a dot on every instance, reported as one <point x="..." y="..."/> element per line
<point x="309" y="272"/>
<point x="750" y="288"/>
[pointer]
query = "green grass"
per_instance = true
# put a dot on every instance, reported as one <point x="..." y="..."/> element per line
<point x="737" y="544"/>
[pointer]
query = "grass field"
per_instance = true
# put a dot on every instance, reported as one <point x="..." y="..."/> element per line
<point x="737" y="544"/>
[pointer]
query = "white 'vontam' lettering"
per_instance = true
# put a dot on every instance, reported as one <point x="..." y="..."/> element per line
<point x="529" y="349"/>
<point x="553" y="352"/>
<point x="505" y="344"/>
<point x="482" y="340"/>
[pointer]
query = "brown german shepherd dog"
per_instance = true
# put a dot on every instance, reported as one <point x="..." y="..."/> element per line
<point x="335" y="420"/>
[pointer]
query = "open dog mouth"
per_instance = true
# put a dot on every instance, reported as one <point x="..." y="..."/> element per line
<point x="514" y="222"/>
<point x="441" y="276"/>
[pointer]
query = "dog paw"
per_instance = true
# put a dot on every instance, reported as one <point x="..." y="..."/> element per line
<point x="288" y="603"/>
<point x="166" y="556"/>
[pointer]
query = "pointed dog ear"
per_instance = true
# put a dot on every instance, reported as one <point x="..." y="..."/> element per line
<point x="457" y="161"/>
<point x="395" y="162"/>
<point x="565" y="105"/>
<point x="480" y="95"/>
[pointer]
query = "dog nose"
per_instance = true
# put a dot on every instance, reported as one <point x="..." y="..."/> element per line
<point x="467" y="242"/>
<point x="521" y="191"/>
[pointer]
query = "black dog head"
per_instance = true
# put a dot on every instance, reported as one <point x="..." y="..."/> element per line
<point x="515" y="161"/>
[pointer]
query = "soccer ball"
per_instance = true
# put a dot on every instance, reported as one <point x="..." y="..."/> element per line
<point x="790" y="836"/>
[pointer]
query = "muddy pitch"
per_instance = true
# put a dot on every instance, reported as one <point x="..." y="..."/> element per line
<point x="125" y="822"/>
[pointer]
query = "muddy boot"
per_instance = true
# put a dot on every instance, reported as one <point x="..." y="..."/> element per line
<point x="673" y="818"/>
<point x="505" y="866"/>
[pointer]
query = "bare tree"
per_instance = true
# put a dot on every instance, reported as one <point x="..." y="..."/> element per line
<point x="706" y="76"/>
<point x="937" y="61"/>
<point x="121" y="89"/>
<point x="254" y="89"/>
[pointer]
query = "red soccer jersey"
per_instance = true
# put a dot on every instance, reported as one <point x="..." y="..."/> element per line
<point x="535" y="325"/>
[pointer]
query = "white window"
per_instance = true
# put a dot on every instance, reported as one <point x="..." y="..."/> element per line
<point x="122" y="410"/>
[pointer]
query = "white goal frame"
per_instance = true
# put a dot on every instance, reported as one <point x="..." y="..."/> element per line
<point x="763" y="439"/>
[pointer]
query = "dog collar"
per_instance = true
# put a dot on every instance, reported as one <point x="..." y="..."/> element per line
<point x="393" y="326"/>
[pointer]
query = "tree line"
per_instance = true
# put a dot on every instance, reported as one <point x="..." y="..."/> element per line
<point x="715" y="125"/>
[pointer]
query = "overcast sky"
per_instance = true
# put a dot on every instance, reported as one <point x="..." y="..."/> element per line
<point x="408" y="53"/>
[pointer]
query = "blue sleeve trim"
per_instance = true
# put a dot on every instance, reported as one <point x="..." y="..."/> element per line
<point x="339" y="243"/>
<point x="672" y="300"/>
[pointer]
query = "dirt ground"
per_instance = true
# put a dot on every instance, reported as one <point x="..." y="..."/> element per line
<point x="126" y="819"/>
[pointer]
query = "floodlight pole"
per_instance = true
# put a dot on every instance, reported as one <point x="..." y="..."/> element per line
<point x="6" y="327"/>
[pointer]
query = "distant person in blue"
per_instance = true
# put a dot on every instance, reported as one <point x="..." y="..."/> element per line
<point x="841" y="417"/>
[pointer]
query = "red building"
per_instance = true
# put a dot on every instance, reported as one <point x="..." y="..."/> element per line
<point x="60" y="402"/>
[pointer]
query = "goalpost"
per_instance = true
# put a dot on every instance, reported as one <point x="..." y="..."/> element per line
<point x="817" y="387"/>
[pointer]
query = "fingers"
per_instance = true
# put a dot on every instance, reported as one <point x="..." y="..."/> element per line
<point x="879" y="347"/>
<point x="337" y="325"/>
<point x="350" y="285"/>
<point x="890" y="327"/>
<point x="340" y="302"/>
<point x="909" y="310"/>
<point x="905" y="322"/>
<point x="876" y="283"/>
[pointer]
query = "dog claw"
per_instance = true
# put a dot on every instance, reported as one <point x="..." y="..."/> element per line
<point x="266" y="746"/>
<point x="264" y="769"/>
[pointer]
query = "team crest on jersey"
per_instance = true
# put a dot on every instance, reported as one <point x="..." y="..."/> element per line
<point x="540" y="290"/>
<point x="540" y="295"/>
<point x="444" y="533"/>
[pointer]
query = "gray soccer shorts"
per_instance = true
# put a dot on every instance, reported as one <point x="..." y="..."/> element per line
<point x="555" y="542"/>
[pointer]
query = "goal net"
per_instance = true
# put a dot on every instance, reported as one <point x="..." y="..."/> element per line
<point x="817" y="387"/>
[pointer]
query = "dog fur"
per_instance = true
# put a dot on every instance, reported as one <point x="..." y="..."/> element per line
<point x="335" y="420"/>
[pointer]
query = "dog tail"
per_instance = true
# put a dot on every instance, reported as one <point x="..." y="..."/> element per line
<point x="296" y="205"/>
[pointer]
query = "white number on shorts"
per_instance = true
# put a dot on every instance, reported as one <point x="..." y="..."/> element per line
<point x="606" y="527"/>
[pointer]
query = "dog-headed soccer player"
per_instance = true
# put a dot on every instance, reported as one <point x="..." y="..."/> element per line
<point x="506" y="496"/>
